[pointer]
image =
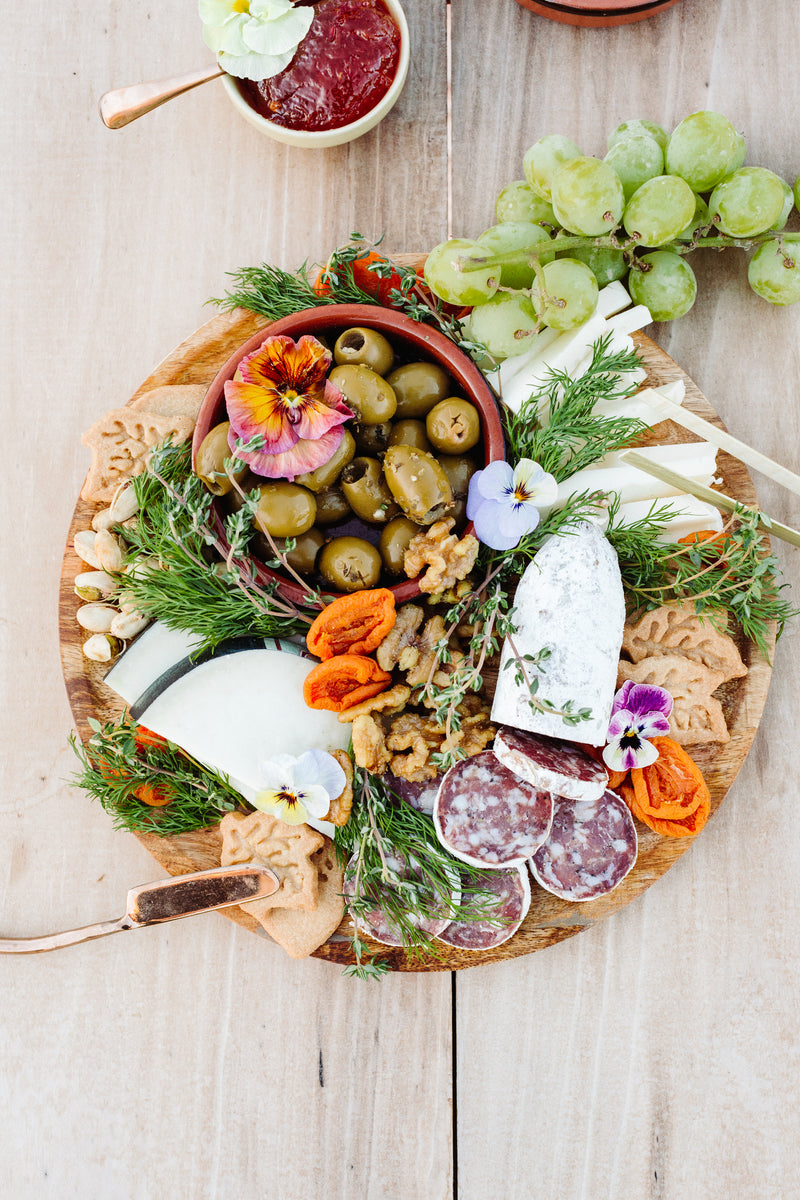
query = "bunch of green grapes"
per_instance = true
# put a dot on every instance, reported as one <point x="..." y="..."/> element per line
<point x="576" y="223"/>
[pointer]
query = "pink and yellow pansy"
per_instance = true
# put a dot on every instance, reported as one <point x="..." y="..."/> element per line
<point x="283" y="395"/>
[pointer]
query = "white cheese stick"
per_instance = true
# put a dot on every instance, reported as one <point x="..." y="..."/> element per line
<point x="631" y="320"/>
<point x="695" y="460"/>
<point x="644" y="405"/>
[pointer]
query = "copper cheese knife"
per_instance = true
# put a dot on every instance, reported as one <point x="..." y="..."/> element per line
<point x="165" y="900"/>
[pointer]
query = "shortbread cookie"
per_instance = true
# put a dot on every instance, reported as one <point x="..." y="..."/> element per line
<point x="677" y="629"/>
<point x="172" y="400"/>
<point x="121" y="443"/>
<point x="300" y="933"/>
<point x="286" y="849"/>
<point x="697" y="716"/>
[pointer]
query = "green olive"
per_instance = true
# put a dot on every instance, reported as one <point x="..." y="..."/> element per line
<point x="306" y="548"/>
<point x="459" y="469"/>
<point x="332" y="507"/>
<point x="410" y="432"/>
<point x="322" y="477"/>
<point x="364" y="347"/>
<point x="284" y="509"/>
<point x="418" y="484"/>
<point x="370" y="396"/>
<point x="394" y="543"/>
<point x="453" y="425"/>
<point x="418" y="386"/>
<point x="350" y="564"/>
<point x="372" y="439"/>
<point x="210" y="462"/>
<point x="366" y="492"/>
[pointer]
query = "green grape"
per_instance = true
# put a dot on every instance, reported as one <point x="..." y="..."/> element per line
<point x="788" y="205"/>
<point x="703" y="150"/>
<point x="700" y="220"/>
<point x="517" y="235"/>
<point x="797" y="193"/>
<point x="505" y="325"/>
<point x="748" y="202"/>
<point x="587" y="197"/>
<point x="636" y="129"/>
<point x="774" y="270"/>
<point x="570" y="294"/>
<point x="605" y="264"/>
<point x="659" y="210"/>
<point x="739" y="154"/>
<point x="635" y="159"/>
<point x="543" y="158"/>
<point x="667" y="286"/>
<point x="454" y="285"/>
<point x="519" y="202"/>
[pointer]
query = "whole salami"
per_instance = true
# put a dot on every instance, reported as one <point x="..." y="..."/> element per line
<point x="487" y="816"/>
<point x="551" y="764"/>
<point x="591" y="847"/>
<point x="513" y="893"/>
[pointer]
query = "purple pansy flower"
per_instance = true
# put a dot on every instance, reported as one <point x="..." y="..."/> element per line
<point x="504" y="502"/>
<point x="639" y="712"/>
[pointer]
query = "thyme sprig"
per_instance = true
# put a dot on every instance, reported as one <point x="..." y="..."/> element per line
<point x="113" y="766"/>
<point x="380" y="842"/>
<point x="183" y="574"/>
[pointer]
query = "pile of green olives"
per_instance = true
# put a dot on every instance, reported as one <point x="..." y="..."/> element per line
<point x="404" y="461"/>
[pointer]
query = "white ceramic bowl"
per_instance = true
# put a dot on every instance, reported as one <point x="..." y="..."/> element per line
<point x="315" y="139"/>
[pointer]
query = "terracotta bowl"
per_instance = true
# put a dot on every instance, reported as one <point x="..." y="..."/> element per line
<point x="321" y="138"/>
<point x="412" y="342"/>
<point x="596" y="13"/>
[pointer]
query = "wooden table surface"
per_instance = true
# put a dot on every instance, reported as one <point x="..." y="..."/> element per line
<point x="654" y="1056"/>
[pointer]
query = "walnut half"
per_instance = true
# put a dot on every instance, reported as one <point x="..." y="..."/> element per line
<point x="449" y="558"/>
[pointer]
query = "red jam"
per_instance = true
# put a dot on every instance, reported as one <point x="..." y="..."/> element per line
<point x="342" y="69"/>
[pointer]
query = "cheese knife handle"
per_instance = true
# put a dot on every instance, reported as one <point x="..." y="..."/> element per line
<point x="70" y="937"/>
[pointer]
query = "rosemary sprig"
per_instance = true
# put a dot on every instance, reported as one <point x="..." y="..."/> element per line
<point x="113" y="766"/>
<point x="188" y="580"/>
<point x="383" y="837"/>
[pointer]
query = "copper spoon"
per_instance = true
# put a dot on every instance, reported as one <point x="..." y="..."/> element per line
<point x="124" y="105"/>
<point x="164" y="900"/>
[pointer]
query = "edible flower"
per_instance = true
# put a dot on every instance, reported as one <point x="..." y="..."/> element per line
<point x="503" y="502"/>
<point x="254" y="39"/>
<point x="284" y="397"/>
<point x="299" y="788"/>
<point x="640" y="711"/>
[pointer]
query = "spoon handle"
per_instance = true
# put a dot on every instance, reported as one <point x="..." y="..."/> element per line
<point x="124" y="105"/>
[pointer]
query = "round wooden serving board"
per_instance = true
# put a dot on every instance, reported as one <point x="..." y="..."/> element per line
<point x="549" y="920"/>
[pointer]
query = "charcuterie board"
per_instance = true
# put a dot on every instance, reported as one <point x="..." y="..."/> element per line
<point x="550" y="920"/>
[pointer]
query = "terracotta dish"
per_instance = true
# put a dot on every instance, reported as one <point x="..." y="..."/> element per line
<point x="597" y="13"/>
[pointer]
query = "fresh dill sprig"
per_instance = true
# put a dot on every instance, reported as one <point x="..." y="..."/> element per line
<point x="182" y="575"/>
<point x="396" y="863"/>
<point x="114" y="766"/>
<point x="557" y="426"/>
<point x="740" y="576"/>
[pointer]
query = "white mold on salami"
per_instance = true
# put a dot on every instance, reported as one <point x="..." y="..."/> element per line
<point x="377" y="924"/>
<point x="485" y="815"/>
<point x="551" y="764"/>
<point x="570" y="602"/>
<point x="512" y="891"/>
<point x="591" y="847"/>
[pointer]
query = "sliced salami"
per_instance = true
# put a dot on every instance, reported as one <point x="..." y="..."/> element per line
<point x="551" y="764"/>
<point x="377" y="923"/>
<point x="419" y="795"/>
<point x="590" y="848"/>
<point x="513" y="892"/>
<point x="487" y="816"/>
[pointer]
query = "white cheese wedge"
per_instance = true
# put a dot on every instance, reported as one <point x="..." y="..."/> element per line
<point x="153" y="652"/>
<point x="234" y="711"/>
<point x="569" y="601"/>
<point x="691" y="516"/>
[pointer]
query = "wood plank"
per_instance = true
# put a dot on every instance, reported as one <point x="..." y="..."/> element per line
<point x="652" y="1057"/>
<point x="183" y="1065"/>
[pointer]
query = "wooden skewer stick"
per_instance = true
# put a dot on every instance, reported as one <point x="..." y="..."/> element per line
<point x="722" y="440"/>
<point x="701" y="492"/>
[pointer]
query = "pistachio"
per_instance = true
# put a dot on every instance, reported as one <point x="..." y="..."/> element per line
<point x="108" y="551"/>
<point x="127" y="624"/>
<point x="84" y="543"/>
<point x="101" y="647"/>
<point x="143" y="567"/>
<point x="96" y="618"/>
<point x="94" y="585"/>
